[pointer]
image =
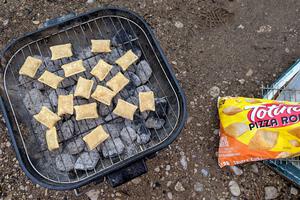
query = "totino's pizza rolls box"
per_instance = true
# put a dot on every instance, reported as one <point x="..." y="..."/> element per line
<point x="257" y="129"/>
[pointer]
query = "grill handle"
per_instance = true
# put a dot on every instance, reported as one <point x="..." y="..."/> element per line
<point x="127" y="173"/>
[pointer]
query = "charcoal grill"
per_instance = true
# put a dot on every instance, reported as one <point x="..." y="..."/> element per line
<point x="132" y="33"/>
<point x="286" y="88"/>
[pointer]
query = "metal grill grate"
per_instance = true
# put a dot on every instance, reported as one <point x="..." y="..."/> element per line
<point x="105" y="27"/>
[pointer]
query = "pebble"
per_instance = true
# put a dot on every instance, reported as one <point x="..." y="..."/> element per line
<point x="204" y="172"/>
<point x="178" y="24"/>
<point x="214" y="91"/>
<point x="8" y="144"/>
<point x="170" y="195"/>
<point x="287" y="50"/>
<point x="189" y="120"/>
<point x="168" y="167"/>
<point x="30" y="196"/>
<point x="234" y="188"/>
<point x="241" y="26"/>
<point x="254" y="168"/>
<point x="242" y="81"/>
<point x="216" y="132"/>
<point x="36" y="22"/>
<point x="178" y="187"/>
<point x="264" y="29"/>
<point x="90" y="1"/>
<point x="271" y="192"/>
<point x="136" y="181"/>
<point x="156" y="169"/>
<point x="294" y="191"/>
<point x="198" y="187"/>
<point x="183" y="162"/>
<point x="87" y="160"/>
<point x="249" y="72"/>
<point x="169" y="183"/>
<point x="5" y="22"/>
<point x="93" y="194"/>
<point x="236" y="170"/>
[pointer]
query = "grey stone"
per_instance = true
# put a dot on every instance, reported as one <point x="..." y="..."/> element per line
<point x="205" y="172"/>
<point x="38" y="85"/>
<point x="104" y="110"/>
<point x="154" y="123"/>
<point x="135" y="124"/>
<point x="113" y="117"/>
<point x="128" y="90"/>
<point x="67" y="130"/>
<point x="183" y="161"/>
<point x="133" y="100"/>
<point x="25" y="81"/>
<point x="67" y="82"/>
<point x="113" y="129"/>
<point x="75" y="146"/>
<point x="294" y="191"/>
<point x="236" y="170"/>
<point x="271" y="192"/>
<point x="144" y="71"/>
<point x="112" y="147"/>
<point x="87" y="160"/>
<point x="198" y="187"/>
<point x="143" y="136"/>
<point x="214" y="91"/>
<point x="114" y="54"/>
<point x="134" y="78"/>
<point x="161" y="108"/>
<point x="130" y="150"/>
<point x="234" y="188"/>
<point x="128" y="135"/>
<point x="179" y="187"/>
<point x="34" y="100"/>
<point x="65" y="162"/>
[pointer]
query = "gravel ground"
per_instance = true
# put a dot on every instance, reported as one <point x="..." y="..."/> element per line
<point x="234" y="46"/>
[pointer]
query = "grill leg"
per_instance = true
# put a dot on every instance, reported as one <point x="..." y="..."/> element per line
<point x="127" y="173"/>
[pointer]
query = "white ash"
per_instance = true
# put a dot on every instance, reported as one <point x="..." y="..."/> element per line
<point x="144" y="135"/>
<point x="144" y="71"/>
<point x="75" y="146"/>
<point x="128" y="135"/>
<point x="154" y="123"/>
<point x="65" y="162"/>
<point x="34" y="100"/>
<point x="112" y="147"/>
<point x="87" y="160"/>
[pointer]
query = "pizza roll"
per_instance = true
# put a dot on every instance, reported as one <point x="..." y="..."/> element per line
<point x="236" y="129"/>
<point x="47" y="117"/>
<point x="103" y="95"/>
<point x="295" y="131"/>
<point x="127" y="59"/>
<point x="100" y="46"/>
<point x="84" y="88"/>
<point x="61" y="51"/>
<point x="30" y="66"/>
<point x="118" y="82"/>
<point x="73" y="68"/>
<point x="101" y="70"/>
<point x="231" y="110"/>
<point x="51" y="139"/>
<point x="95" y="137"/>
<point x="86" y="111"/>
<point x="263" y="140"/>
<point x="50" y="79"/>
<point x="65" y="104"/>
<point x="125" y="109"/>
<point x="294" y="143"/>
<point x="146" y="101"/>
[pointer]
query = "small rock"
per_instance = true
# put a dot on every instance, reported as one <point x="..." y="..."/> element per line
<point x="157" y="169"/>
<point x="170" y="195"/>
<point x="5" y="22"/>
<point x="154" y="123"/>
<point x="65" y="162"/>
<point x="264" y="29"/>
<point x="254" y="168"/>
<point x="87" y="160"/>
<point x="271" y="192"/>
<point x="198" y="187"/>
<point x="93" y="194"/>
<point x="242" y="81"/>
<point x="294" y="191"/>
<point x="178" y="24"/>
<point x="168" y="167"/>
<point x="8" y="144"/>
<point x="183" y="162"/>
<point x="241" y="26"/>
<point x="90" y="1"/>
<point x="287" y="50"/>
<point x="249" y="72"/>
<point x="237" y="171"/>
<point x="143" y="71"/>
<point x="136" y="181"/>
<point x="234" y="188"/>
<point x="178" y="187"/>
<point x="204" y="172"/>
<point x="36" y="22"/>
<point x="75" y="146"/>
<point x="189" y="120"/>
<point x="214" y="91"/>
<point x="112" y="147"/>
<point x="128" y="135"/>
<point x="216" y="132"/>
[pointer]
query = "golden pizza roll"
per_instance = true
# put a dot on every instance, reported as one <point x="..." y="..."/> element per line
<point x="65" y="104"/>
<point x="295" y="131"/>
<point x="95" y="137"/>
<point x="83" y="88"/>
<point x="101" y="70"/>
<point x="263" y="140"/>
<point x="73" y="68"/>
<point x="47" y="117"/>
<point x="236" y="129"/>
<point x="125" y="109"/>
<point x="51" y="139"/>
<point x="118" y="82"/>
<point x="146" y="101"/>
<point x="30" y="66"/>
<point x="231" y="110"/>
<point x="100" y="46"/>
<point x="103" y="95"/>
<point x="86" y="111"/>
<point x="50" y="79"/>
<point x="127" y="59"/>
<point x="61" y="51"/>
<point x="295" y="143"/>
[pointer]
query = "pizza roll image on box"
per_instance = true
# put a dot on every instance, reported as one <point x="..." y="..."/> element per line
<point x="61" y="51"/>
<point x="47" y="117"/>
<point x="101" y="70"/>
<point x="257" y="129"/>
<point x="100" y="46"/>
<point x="50" y="79"/>
<point x="73" y="68"/>
<point x="126" y="60"/>
<point x="86" y="111"/>
<point x="30" y="66"/>
<point x="51" y="139"/>
<point x="65" y="104"/>
<point x="83" y="88"/>
<point x="125" y="109"/>
<point x="95" y="137"/>
<point x="103" y="95"/>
